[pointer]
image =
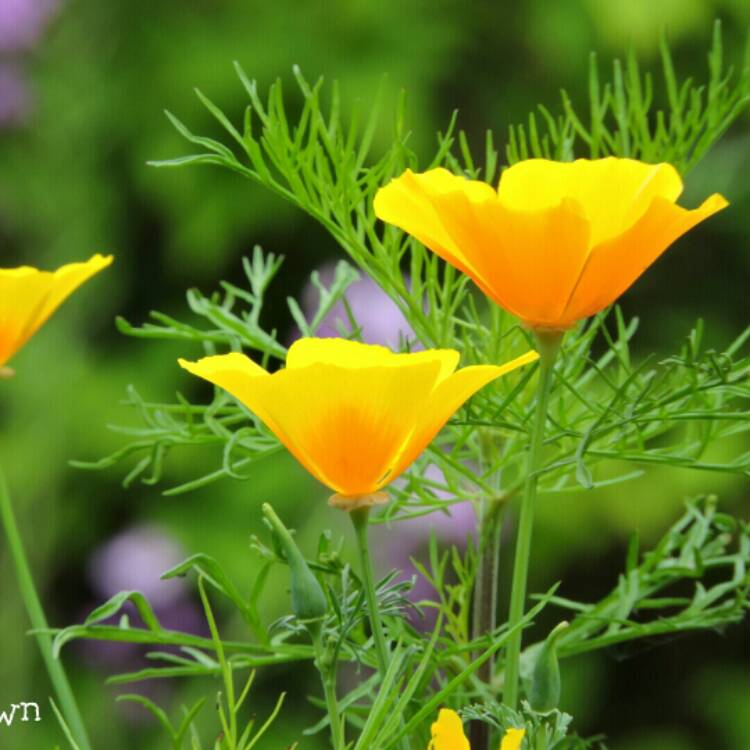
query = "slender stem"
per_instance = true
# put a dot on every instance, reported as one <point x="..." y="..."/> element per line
<point x="230" y="728"/>
<point x="337" y="726"/>
<point x="485" y="603"/>
<point x="485" y="591"/>
<point x="35" y="612"/>
<point x="359" y="519"/>
<point x="484" y="614"/>
<point x="548" y="346"/>
<point x="327" y="668"/>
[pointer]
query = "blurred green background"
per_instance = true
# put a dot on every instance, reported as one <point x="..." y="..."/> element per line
<point x="82" y="88"/>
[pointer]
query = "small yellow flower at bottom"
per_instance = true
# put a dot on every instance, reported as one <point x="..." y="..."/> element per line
<point x="354" y="415"/>
<point x="28" y="297"/>
<point x="448" y="734"/>
<point x="513" y="739"/>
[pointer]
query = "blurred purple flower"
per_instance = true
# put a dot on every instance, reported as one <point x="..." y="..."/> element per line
<point x="452" y="525"/>
<point x="22" y="23"/>
<point x="378" y="316"/>
<point x="15" y="97"/>
<point x="135" y="560"/>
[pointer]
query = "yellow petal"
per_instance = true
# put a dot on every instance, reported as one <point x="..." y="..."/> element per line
<point x="28" y="297"/>
<point x="613" y="193"/>
<point x="526" y="261"/>
<point x="513" y="739"/>
<point x="447" y="397"/>
<point x="614" y="265"/>
<point x="353" y="354"/>
<point x="233" y="368"/>
<point x="344" y="425"/>
<point x="408" y="202"/>
<point x="448" y="732"/>
<point x="307" y="351"/>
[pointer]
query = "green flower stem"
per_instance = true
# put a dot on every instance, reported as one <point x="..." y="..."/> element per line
<point x="484" y="613"/>
<point x="484" y="616"/>
<point x="359" y="519"/>
<point x="34" y="609"/>
<point x="485" y="593"/>
<point x="310" y="605"/>
<point x="337" y="726"/>
<point x="326" y="667"/>
<point x="548" y="345"/>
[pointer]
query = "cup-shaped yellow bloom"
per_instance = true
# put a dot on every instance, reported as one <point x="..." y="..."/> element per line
<point x="448" y="734"/>
<point x="557" y="241"/>
<point x="28" y="297"/>
<point x="354" y="415"/>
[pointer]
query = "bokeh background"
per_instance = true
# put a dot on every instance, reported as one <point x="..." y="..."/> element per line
<point x="82" y="89"/>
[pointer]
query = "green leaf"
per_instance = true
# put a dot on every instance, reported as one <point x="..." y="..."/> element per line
<point x="117" y="602"/>
<point x="212" y="572"/>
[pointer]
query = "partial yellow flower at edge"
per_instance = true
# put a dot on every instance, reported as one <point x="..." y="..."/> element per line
<point x="354" y="415"/>
<point x="448" y="734"/>
<point x="513" y="739"/>
<point x="557" y="241"/>
<point x="28" y="297"/>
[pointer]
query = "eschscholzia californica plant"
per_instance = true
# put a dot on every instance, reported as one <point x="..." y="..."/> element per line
<point x="448" y="734"/>
<point x="28" y="297"/>
<point x="355" y="416"/>
<point x="554" y="244"/>
<point x="557" y="241"/>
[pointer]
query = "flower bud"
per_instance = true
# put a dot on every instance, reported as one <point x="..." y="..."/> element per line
<point x="308" y="599"/>
<point x="544" y="690"/>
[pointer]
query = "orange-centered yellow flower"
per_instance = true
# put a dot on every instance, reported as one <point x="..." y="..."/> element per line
<point x="28" y="297"/>
<point x="354" y="415"/>
<point x="556" y="242"/>
<point x="448" y="734"/>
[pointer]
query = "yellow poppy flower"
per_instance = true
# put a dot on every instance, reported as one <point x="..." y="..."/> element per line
<point x="28" y="297"/>
<point x="448" y="734"/>
<point x="354" y="415"/>
<point x="556" y="242"/>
